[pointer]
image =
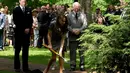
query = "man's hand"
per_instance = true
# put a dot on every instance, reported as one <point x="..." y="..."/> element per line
<point x="27" y="31"/>
<point x="34" y="26"/>
<point x="76" y="31"/>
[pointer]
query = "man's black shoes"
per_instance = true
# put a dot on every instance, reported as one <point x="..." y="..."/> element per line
<point x="72" y="67"/>
<point x="82" y="68"/>
<point x="18" y="70"/>
<point x="27" y="71"/>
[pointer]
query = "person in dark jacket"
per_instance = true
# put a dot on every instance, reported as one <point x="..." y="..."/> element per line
<point x="43" y="23"/>
<point x="22" y="17"/>
<point x="110" y="10"/>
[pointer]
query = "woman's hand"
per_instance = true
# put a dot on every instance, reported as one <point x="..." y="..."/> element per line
<point x="60" y="51"/>
<point x="50" y="46"/>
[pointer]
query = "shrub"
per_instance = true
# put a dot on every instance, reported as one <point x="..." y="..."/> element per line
<point x="108" y="47"/>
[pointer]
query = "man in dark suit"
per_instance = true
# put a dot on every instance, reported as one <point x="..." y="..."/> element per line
<point x="22" y="17"/>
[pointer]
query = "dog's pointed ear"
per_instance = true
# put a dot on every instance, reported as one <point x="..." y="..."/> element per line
<point x="36" y="71"/>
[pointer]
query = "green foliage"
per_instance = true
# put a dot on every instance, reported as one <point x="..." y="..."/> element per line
<point x="57" y="2"/>
<point x="96" y="35"/>
<point x="99" y="4"/>
<point x="113" y="2"/>
<point x="9" y="3"/>
<point x="103" y="4"/>
<point x="108" y="46"/>
<point x="36" y="3"/>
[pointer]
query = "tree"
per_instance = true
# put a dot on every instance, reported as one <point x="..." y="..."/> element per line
<point x="9" y="3"/>
<point x="108" y="46"/>
<point x="86" y="8"/>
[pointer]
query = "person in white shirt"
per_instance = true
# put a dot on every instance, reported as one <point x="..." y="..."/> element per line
<point x="35" y="27"/>
<point x="10" y="30"/>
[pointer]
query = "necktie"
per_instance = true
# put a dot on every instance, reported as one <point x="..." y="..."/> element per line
<point x="23" y="9"/>
<point x="76" y="16"/>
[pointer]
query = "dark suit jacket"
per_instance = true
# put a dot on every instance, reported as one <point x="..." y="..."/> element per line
<point x="22" y="20"/>
<point x="43" y="19"/>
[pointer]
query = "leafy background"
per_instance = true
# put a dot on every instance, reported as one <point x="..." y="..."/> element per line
<point x="35" y="3"/>
<point x="108" y="47"/>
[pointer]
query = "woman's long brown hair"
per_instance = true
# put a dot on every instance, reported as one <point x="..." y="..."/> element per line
<point x="64" y="27"/>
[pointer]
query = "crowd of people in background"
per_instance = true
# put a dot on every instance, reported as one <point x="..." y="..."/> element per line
<point x="44" y="20"/>
<point x="47" y="13"/>
<point x="41" y="15"/>
<point x="99" y="16"/>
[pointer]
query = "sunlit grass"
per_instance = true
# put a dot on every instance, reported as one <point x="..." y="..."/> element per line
<point x="36" y="56"/>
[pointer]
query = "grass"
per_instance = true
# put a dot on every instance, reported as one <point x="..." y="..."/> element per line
<point x="6" y="72"/>
<point x="36" y="56"/>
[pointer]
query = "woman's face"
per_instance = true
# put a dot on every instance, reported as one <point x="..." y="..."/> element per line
<point x="34" y="13"/>
<point x="6" y="7"/>
<point x="62" y="20"/>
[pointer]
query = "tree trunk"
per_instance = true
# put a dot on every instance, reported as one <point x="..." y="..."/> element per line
<point x="86" y="8"/>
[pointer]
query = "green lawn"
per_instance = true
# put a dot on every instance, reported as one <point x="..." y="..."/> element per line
<point x="36" y="56"/>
